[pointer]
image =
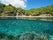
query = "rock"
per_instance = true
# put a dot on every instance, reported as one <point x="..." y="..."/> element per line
<point x="32" y="36"/>
<point x="2" y="35"/>
<point x="40" y="37"/>
<point x="27" y="36"/>
<point x="10" y="37"/>
<point x="17" y="37"/>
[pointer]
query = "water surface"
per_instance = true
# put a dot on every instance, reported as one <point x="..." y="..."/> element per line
<point x="18" y="26"/>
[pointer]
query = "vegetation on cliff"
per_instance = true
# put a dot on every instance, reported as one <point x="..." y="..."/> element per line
<point x="9" y="10"/>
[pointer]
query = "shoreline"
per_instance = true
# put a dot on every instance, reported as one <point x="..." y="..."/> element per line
<point x="43" y="18"/>
<point x="30" y="16"/>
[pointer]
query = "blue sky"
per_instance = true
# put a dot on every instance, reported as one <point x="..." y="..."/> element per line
<point x="38" y="3"/>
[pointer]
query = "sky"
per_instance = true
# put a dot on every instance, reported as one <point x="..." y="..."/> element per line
<point x="38" y="3"/>
<point x="27" y="4"/>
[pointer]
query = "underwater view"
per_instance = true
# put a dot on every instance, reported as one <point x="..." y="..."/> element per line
<point x="24" y="29"/>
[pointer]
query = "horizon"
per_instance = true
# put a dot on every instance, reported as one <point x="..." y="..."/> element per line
<point x="28" y="4"/>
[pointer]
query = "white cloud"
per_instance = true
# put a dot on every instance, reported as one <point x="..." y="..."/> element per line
<point x="16" y="3"/>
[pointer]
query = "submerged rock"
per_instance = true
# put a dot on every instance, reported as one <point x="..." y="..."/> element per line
<point x="2" y="35"/>
<point x="25" y="36"/>
<point x="32" y="36"/>
<point x="41" y="37"/>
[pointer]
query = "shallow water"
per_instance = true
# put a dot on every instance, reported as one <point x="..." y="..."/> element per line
<point x="18" y="26"/>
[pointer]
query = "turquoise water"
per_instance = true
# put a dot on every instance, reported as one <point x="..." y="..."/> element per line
<point x="18" y="26"/>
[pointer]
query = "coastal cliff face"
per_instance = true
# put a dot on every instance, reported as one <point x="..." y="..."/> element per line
<point x="21" y="14"/>
<point x="9" y="10"/>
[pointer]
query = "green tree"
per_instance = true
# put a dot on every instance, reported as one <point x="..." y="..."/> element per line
<point x="1" y="8"/>
<point x="10" y="10"/>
